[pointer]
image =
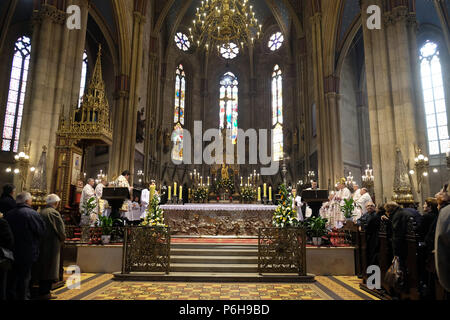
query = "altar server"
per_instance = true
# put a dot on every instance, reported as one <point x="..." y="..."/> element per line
<point x="101" y="204"/>
<point x="361" y="204"/>
<point x="88" y="193"/>
<point x="298" y="204"/>
<point x="145" y="200"/>
<point x="356" y="192"/>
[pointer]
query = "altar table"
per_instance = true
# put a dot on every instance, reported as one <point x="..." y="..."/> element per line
<point x="217" y="219"/>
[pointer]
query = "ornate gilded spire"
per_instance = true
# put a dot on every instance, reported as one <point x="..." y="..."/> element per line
<point x="402" y="185"/>
<point x="91" y="121"/>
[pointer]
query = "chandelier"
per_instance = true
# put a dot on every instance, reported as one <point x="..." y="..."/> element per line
<point x="225" y="24"/>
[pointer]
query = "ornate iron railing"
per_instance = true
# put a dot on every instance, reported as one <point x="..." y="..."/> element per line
<point x="146" y="249"/>
<point x="282" y="250"/>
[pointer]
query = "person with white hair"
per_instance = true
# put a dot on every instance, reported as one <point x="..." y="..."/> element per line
<point x="27" y="227"/>
<point x="46" y="270"/>
<point x="442" y="239"/>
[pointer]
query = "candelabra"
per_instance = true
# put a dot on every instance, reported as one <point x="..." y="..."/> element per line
<point x="22" y="169"/>
<point x="368" y="180"/>
<point x="100" y="177"/>
<point x="140" y="176"/>
<point x="349" y="181"/>
<point x="311" y="176"/>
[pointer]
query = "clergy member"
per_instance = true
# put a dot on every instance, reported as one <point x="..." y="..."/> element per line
<point x="145" y="200"/>
<point x="362" y="202"/>
<point x="298" y="204"/>
<point x="101" y="204"/>
<point x="87" y="193"/>
<point x="356" y="192"/>
<point x="314" y="186"/>
<point x="122" y="180"/>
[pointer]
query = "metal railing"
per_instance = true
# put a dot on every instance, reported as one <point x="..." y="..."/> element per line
<point x="146" y="249"/>
<point x="282" y="250"/>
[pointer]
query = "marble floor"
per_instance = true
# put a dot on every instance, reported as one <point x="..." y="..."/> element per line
<point x="103" y="287"/>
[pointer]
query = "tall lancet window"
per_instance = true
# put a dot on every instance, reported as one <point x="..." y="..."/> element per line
<point x="83" y="82"/>
<point x="229" y="90"/>
<point x="277" y="114"/>
<point x="16" y="95"/>
<point x="434" y="99"/>
<point x="180" y="103"/>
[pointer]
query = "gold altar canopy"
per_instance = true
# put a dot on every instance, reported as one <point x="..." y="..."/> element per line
<point x="87" y="126"/>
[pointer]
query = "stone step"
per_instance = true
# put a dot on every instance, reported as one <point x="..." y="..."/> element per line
<point x="213" y="246"/>
<point x="214" y="268"/>
<point x="214" y="277"/>
<point x="214" y="259"/>
<point x="214" y="252"/>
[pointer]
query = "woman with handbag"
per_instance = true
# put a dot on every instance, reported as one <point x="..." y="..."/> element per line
<point x="6" y="255"/>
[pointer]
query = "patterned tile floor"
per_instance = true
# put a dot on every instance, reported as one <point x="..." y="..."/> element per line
<point x="102" y="287"/>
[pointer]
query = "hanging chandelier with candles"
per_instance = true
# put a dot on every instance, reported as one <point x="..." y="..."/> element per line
<point x="225" y="25"/>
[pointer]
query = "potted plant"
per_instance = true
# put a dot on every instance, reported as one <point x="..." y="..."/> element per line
<point x="87" y="209"/>
<point x="348" y="208"/>
<point x="318" y="228"/>
<point x="106" y="225"/>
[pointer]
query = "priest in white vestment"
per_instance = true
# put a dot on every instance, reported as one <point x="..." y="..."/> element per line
<point x="122" y="182"/>
<point x="101" y="204"/>
<point x="297" y="205"/>
<point x="145" y="200"/>
<point x="361" y="204"/>
<point x="88" y="193"/>
<point x="356" y="192"/>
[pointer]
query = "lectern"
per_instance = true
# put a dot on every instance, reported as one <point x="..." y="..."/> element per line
<point x="115" y="198"/>
<point x="315" y="199"/>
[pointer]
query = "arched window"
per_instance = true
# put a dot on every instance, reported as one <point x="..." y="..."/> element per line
<point x="180" y="103"/>
<point x="434" y="99"/>
<point x="16" y="95"/>
<point x="229" y="90"/>
<point x="83" y="77"/>
<point x="277" y="113"/>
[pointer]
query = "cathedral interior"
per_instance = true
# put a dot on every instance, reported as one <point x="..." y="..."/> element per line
<point x="350" y="96"/>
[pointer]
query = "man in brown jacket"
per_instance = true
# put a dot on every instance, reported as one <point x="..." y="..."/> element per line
<point x="47" y="267"/>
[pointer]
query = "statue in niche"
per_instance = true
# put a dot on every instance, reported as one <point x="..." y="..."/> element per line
<point x="167" y="141"/>
<point x="140" y="126"/>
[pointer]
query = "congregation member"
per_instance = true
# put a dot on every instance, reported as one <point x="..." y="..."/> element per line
<point x="7" y="201"/>
<point x="46" y="270"/>
<point x="442" y="239"/>
<point x="27" y="227"/>
<point x="6" y="254"/>
<point x="370" y="222"/>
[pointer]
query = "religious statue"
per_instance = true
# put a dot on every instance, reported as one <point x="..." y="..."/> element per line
<point x="167" y="141"/>
<point x="140" y="126"/>
<point x="224" y="172"/>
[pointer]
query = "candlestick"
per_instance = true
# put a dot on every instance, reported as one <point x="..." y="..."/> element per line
<point x="181" y="192"/>
<point x="259" y="194"/>
<point x="152" y="191"/>
<point x="270" y="194"/>
<point x="175" y="189"/>
<point x="265" y="190"/>
<point x="170" y="193"/>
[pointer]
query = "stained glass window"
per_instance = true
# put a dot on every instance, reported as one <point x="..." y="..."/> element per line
<point x="182" y="41"/>
<point x="229" y="51"/>
<point x="229" y="90"/>
<point x="16" y="95"/>
<point x="276" y="41"/>
<point x="277" y="113"/>
<point x="83" y="77"/>
<point x="434" y="99"/>
<point x="180" y="102"/>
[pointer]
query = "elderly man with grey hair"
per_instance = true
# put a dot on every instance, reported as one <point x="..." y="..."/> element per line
<point x="27" y="227"/>
<point x="46" y="270"/>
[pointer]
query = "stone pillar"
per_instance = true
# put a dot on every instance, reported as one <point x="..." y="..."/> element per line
<point x="6" y="18"/>
<point x="305" y="129"/>
<point x="125" y="119"/>
<point x="52" y="76"/>
<point x="395" y="112"/>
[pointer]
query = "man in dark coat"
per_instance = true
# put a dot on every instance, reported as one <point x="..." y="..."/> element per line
<point x="27" y="227"/>
<point x="7" y="202"/>
<point x="46" y="270"/>
<point x="371" y="223"/>
<point x="399" y="219"/>
<point x="6" y="243"/>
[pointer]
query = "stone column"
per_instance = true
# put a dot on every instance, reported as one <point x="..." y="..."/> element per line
<point x="305" y="129"/>
<point x="51" y="76"/>
<point x="6" y="18"/>
<point x="391" y="85"/>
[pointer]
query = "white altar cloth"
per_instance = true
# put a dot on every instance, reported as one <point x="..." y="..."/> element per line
<point x="219" y="207"/>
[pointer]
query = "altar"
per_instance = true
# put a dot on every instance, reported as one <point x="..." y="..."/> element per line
<point x="217" y="219"/>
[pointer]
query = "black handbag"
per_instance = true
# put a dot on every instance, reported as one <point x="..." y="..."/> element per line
<point x="395" y="277"/>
